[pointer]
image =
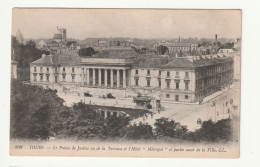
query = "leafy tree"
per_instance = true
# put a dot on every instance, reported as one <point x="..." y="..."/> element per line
<point x="140" y="51"/>
<point x="70" y="42"/>
<point x="138" y="132"/>
<point x="31" y="43"/>
<point x="212" y="132"/>
<point x="169" y="128"/>
<point x="32" y="111"/>
<point x="228" y="45"/>
<point x="83" y="123"/>
<point x="24" y="55"/>
<point x="87" y="52"/>
<point x="116" y="126"/>
<point x="162" y="49"/>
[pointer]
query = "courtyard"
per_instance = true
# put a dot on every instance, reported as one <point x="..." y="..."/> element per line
<point x="220" y="105"/>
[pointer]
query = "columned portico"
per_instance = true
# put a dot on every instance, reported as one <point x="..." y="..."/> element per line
<point x="105" y="77"/>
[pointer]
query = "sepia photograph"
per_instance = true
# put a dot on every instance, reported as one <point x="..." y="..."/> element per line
<point x="125" y="82"/>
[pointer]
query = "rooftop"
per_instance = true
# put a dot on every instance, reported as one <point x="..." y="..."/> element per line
<point x="130" y="57"/>
<point x="60" y="59"/>
<point x="116" y="54"/>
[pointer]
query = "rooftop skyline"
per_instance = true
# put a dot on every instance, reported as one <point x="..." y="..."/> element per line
<point x="133" y="23"/>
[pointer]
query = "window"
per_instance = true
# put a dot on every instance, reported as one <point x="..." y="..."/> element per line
<point x="73" y="78"/>
<point x="41" y="77"/>
<point x="176" y="97"/>
<point x="136" y="82"/>
<point x="47" y="78"/>
<point x="186" y="97"/>
<point x="64" y="77"/>
<point x="168" y="73"/>
<point x="177" y="74"/>
<point x="73" y="69"/>
<point x="186" y="74"/>
<point x="63" y="69"/>
<point x="34" y="69"/>
<point x="160" y="72"/>
<point x="148" y="72"/>
<point x="167" y="95"/>
<point x="136" y="71"/>
<point x="34" y="77"/>
<point x="160" y="83"/>
<point x="40" y="68"/>
<point x="56" y="79"/>
<point x="186" y="85"/>
<point x="177" y="85"/>
<point x="148" y="82"/>
<point x="56" y="69"/>
<point x="47" y="69"/>
<point x="168" y="84"/>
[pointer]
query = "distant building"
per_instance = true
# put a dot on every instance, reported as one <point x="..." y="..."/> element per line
<point x="125" y="73"/>
<point x="60" y="34"/>
<point x="178" y="47"/>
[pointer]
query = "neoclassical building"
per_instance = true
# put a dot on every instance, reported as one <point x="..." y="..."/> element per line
<point x="125" y="73"/>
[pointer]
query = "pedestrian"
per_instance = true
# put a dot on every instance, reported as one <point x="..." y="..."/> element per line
<point x="146" y="115"/>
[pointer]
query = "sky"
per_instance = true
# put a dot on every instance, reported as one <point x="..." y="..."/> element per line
<point x="133" y="23"/>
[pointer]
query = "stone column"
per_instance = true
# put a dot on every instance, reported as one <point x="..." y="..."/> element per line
<point x="99" y="77"/>
<point x="124" y="78"/>
<point x="111" y="78"/>
<point x="82" y="76"/>
<point x="118" y="78"/>
<point x="105" y="79"/>
<point x="87" y="77"/>
<point x="105" y="114"/>
<point x="94" y="76"/>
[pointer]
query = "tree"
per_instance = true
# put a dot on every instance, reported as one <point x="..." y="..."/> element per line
<point x="33" y="110"/>
<point x="210" y="131"/>
<point x="70" y="42"/>
<point x="31" y="43"/>
<point x="140" y="51"/>
<point x="162" y="49"/>
<point x="87" y="52"/>
<point x="139" y="132"/>
<point x="116" y="126"/>
<point x="169" y="128"/>
<point x="24" y="55"/>
<point x="83" y="123"/>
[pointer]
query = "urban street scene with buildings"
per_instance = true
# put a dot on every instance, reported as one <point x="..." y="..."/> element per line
<point x="182" y="86"/>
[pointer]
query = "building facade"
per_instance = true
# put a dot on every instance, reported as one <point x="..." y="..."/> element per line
<point x="127" y="74"/>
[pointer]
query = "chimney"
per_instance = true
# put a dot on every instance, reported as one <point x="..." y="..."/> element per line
<point x="179" y="38"/>
<point x="43" y="55"/>
<point x="216" y="37"/>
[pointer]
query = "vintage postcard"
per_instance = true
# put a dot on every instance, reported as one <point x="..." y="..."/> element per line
<point x="125" y="83"/>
